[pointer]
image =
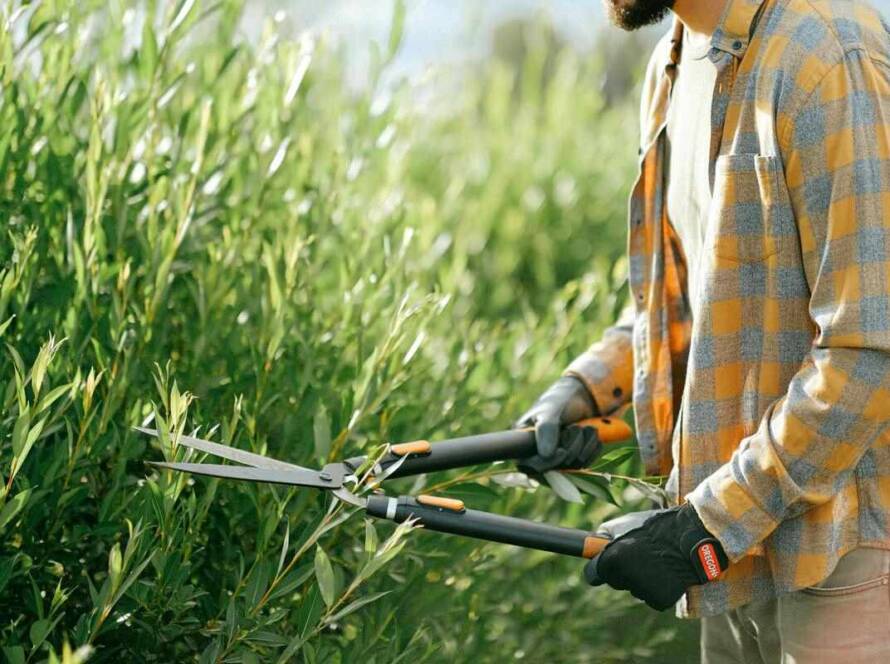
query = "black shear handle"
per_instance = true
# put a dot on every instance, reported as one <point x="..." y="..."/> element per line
<point x="422" y="457"/>
<point x="447" y="515"/>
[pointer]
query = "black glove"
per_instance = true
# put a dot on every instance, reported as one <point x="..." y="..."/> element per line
<point x="565" y="402"/>
<point x="658" y="561"/>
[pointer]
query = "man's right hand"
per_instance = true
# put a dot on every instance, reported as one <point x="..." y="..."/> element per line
<point x="560" y="446"/>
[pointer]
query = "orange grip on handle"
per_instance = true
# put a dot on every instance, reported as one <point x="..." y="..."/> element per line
<point x="414" y="447"/>
<point x="609" y="429"/>
<point x="452" y="504"/>
<point x="593" y="545"/>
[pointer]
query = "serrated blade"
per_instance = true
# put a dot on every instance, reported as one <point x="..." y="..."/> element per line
<point x="230" y="453"/>
<point x="329" y="478"/>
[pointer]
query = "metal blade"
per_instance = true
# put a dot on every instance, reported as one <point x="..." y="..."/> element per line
<point x="231" y="453"/>
<point x="329" y="478"/>
<point x="347" y="496"/>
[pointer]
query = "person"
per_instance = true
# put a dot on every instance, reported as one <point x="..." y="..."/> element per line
<point x="756" y="348"/>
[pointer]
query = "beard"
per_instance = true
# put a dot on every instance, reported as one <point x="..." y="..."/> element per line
<point x="633" y="14"/>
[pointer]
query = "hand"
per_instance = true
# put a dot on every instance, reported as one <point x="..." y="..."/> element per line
<point x="565" y="402"/>
<point x="660" y="559"/>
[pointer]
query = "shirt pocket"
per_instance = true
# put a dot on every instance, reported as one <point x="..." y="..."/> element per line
<point x="746" y="224"/>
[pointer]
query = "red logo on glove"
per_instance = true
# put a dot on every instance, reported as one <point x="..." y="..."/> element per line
<point x="707" y="554"/>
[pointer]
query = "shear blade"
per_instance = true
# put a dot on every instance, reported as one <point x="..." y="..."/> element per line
<point x="329" y="478"/>
<point x="230" y="453"/>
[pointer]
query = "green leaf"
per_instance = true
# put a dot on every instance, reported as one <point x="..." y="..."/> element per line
<point x="38" y="369"/>
<point x="593" y="487"/>
<point x="259" y="580"/>
<point x="371" y="540"/>
<point x="397" y="28"/>
<point x="382" y="558"/>
<point x="614" y="458"/>
<point x="182" y="12"/>
<point x="51" y="397"/>
<point x="324" y="573"/>
<point x="294" y="579"/>
<point x="473" y="492"/>
<point x="132" y="576"/>
<point x="356" y="605"/>
<point x="115" y="565"/>
<point x="307" y="618"/>
<point x="13" y="507"/>
<point x="284" y="546"/>
<point x="38" y="631"/>
<point x="17" y="359"/>
<point x="148" y="56"/>
<point x="321" y="430"/>
<point x="20" y="432"/>
<point x="268" y="638"/>
<point x="14" y="654"/>
<point x="563" y="487"/>
<point x="5" y="324"/>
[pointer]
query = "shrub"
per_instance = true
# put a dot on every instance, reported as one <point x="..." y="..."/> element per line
<point x="220" y="236"/>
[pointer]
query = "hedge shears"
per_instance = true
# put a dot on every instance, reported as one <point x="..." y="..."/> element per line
<point x="437" y="513"/>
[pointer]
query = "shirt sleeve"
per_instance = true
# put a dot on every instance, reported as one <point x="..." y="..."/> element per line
<point x="836" y="155"/>
<point x="606" y="368"/>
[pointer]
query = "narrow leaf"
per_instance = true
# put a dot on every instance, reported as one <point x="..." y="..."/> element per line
<point x="321" y="430"/>
<point x="20" y="431"/>
<point x="371" y="539"/>
<point x="397" y="27"/>
<point x="5" y="324"/>
<point x="182" y="13"/>
<point x="115" y="565"/>
<point x="13" y="507"/>
<point x="563" y="487"/>
<point x="325" y="575"/>
<point x="593" y="488"/>
<point x="356" y="605"/>
<point x="284" y="546"/>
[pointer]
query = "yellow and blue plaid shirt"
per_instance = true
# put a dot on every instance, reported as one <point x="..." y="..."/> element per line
<point x="770" y="408"/>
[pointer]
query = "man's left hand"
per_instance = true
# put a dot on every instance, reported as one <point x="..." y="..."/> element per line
<point x="660" y="559"/>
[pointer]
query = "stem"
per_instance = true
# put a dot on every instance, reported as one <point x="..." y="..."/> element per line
<point x="460" y="479"/>
<point x="656" y="480"/>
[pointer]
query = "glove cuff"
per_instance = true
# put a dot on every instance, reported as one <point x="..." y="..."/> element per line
<point x="708" y="559"/>
<point x="706" y="554"/>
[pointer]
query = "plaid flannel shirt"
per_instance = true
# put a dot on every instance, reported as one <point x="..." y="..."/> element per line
<point x="770" y="407"/>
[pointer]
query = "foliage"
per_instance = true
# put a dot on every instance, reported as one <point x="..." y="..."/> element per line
<point x="217" y="236"/>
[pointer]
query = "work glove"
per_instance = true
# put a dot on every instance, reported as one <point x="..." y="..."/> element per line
<point x="560" y="446"/>
<point x="658" y="560"/>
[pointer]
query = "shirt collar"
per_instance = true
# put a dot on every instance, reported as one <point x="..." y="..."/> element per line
<point x="735" y="26"/>
<point x="733" y="31"/>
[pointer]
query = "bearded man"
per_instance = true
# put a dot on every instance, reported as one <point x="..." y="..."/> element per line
<point x="756" y="350"/>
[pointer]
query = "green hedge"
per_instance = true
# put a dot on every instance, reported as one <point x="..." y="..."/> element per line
<point x="222" y="236"/>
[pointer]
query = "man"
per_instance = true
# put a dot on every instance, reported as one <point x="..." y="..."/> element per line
<point x="759" y="333"/>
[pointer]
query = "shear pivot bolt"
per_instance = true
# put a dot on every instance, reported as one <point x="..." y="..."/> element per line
<point x="325" y="477"/>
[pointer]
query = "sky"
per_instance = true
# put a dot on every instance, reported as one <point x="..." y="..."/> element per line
<point x="436" y="31"/>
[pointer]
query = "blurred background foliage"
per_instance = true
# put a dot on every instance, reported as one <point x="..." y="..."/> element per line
<point x="224" y="234"/>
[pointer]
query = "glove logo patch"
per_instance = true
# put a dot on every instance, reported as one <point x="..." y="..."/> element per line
<point x="707" y="554"/>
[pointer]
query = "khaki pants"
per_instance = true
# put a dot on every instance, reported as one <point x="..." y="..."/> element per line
<point x="845" y="620"/>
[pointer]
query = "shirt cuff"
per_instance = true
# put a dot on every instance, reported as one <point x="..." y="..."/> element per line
<point x="607" y="371"/>
<point x="606" y="383"/>
<point x="731" y="514"/>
